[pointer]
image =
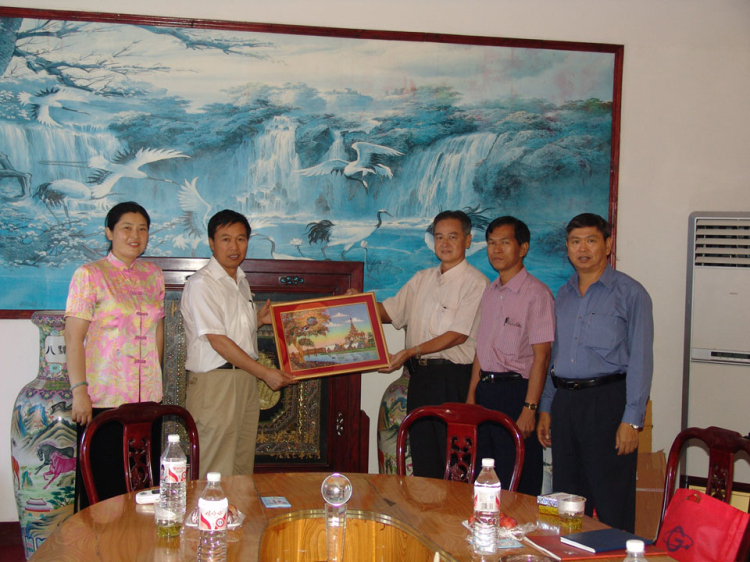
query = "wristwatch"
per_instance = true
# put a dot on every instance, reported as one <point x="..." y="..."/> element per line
<point x="636" y="427"/>
<point x="529" y="405"/>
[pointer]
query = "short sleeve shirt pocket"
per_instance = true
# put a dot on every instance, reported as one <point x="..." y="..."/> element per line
<point x="443" y="319"/>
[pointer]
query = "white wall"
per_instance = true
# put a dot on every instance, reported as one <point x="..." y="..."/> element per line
<point x="685" y="133"/>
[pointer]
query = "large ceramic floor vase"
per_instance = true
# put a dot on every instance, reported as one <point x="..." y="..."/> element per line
<point x="392" y="412"/>
<point x="43" y="439"/>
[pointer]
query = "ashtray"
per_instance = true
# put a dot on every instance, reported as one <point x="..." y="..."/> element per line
<point x="526" y="558"/>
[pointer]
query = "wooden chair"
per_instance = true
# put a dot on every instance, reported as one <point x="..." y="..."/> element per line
<point x="137" y="421"/>
<point x="461" y="446"/>
<point x="722" y="445"/>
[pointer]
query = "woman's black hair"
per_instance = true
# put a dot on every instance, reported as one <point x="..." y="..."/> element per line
<point x="115" y="214"/>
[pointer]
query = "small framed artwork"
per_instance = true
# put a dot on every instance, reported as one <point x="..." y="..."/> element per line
<point x="329" y="336"/>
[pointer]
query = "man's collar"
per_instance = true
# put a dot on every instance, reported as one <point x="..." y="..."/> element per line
<point x="607" y="278"/>
<point x="454" y="271"/>
<point x="217" y="271"/>
<point x="515" y="282"/>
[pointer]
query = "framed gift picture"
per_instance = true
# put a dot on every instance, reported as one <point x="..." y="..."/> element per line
<point x="330" y="336"/>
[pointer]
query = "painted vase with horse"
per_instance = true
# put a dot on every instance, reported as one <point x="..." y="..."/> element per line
<point x="43" y="439"/>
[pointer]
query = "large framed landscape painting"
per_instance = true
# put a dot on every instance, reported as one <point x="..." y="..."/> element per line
<point x="338" y="144"/>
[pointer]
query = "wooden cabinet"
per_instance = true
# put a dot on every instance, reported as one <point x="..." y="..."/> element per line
<point x="316" y="425"/>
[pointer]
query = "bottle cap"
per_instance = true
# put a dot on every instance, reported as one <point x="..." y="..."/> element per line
<point x="173" y="438"/>
<point x="635" y="546"/>
<point x="213" y="476"/>
<point x="491" y="463"/>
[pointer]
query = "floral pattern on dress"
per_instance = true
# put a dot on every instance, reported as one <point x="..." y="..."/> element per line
<point x="123" y="305"/>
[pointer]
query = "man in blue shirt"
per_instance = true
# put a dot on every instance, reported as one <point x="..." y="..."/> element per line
<point x="594" y="399"/>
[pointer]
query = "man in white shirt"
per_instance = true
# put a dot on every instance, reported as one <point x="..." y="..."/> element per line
<point x="221" y="326"/>
<point x="438" y="307"/>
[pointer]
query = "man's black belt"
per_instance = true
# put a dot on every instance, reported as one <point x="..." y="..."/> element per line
<point x="416" y="364"/>
<point x="577" y="384"/>
<point x="226" y="365"/>
<point x="492" y="377"/>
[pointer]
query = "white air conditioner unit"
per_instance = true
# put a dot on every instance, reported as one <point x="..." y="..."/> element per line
<point x="716" y="382"/>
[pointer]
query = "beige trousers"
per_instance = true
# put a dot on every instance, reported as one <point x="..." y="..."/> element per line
<point x="225" y="406"/>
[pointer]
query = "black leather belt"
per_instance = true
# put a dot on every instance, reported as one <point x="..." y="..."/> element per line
<point x="226" y="365"/>
<point x="490" y="377"/>
<point x="416" y="364"/>
<point x="577" y="384"/>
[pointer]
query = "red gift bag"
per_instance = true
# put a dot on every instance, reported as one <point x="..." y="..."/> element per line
<point x="699" y="528"/>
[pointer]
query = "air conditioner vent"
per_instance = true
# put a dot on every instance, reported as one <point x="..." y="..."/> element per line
<point x="722" y="242"/>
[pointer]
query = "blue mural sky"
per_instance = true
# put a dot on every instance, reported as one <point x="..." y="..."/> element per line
<point x="334" y="148"/>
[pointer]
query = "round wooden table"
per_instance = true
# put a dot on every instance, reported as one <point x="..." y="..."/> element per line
<point x="422" y="514"/>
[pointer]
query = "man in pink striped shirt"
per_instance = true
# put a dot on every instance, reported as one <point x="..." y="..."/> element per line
<point x="516" y="330"/>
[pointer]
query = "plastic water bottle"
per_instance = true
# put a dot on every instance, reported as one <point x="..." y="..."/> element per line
<point x="635" y="551"/>
<point x="170" y="511"/>
<point x="212" y="521"/>
<point x="486" y="509"/>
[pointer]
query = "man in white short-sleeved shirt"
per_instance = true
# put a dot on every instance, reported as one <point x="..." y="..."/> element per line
<point x="221" y="325"/>
<point x="438" y="308"/>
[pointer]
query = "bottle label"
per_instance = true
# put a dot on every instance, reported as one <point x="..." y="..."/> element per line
<point x="486" y="499"/>
<point x="212" y="514"/>
<point x="173" y="472"/>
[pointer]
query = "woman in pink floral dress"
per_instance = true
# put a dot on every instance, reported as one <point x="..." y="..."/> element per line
<point x="114" y="335"/>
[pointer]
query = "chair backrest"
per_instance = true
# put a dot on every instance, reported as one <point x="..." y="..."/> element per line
<point x="461" y="445"/>
<point x="722" y="445"/>
<point x="137" y="420"/>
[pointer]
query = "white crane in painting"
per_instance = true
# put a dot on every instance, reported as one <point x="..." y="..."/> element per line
<point x="369" y="161"/>
<point x="57" y="193"/>
<point x="333" y="234"/>
<point x="47" y="98"/>
<point x="127" y="164"/>
<point x="196" y="213"/>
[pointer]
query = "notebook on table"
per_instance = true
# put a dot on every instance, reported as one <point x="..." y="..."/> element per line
<point x="601" y="540"/>
<point x="551" y="545"/>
